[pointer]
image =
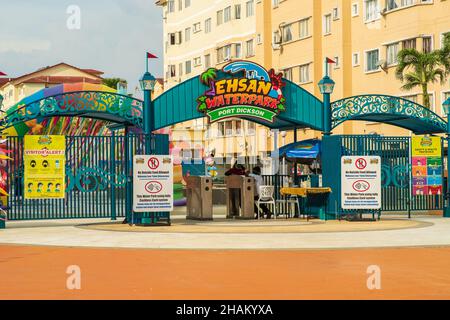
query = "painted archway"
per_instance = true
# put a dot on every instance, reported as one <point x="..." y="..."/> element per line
<point x="388" y="109"/>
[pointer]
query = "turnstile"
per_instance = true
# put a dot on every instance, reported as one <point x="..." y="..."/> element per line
<point x="199" y="198"/>
<point x="240" y="197"/>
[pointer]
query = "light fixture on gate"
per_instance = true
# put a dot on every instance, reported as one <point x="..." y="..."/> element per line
<point x="326" y="85"/>
<point x="446" y="106"/>
<point x="147" y="82"/>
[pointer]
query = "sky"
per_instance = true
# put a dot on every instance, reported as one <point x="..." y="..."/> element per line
<point x="113" y="36"/>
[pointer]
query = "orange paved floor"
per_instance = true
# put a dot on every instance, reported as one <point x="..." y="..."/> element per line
<point x="39" y="272"/>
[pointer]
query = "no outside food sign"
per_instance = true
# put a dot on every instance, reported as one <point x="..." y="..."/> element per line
<point x="361" y="182"/>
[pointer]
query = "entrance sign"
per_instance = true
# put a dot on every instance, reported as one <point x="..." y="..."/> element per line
<point x="250" y="92"/>
<point x="44" y="164"/>
<point x="426" y="166"/>
<point x="152" y="183"/>
<point x="361" y="182"/>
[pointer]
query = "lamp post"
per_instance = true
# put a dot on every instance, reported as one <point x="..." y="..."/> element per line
<point x="326" y="86"/>
<point x="147" y="83"/>
<point x="446" y="108"/>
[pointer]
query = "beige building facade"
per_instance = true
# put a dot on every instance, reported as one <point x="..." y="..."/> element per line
<point x="363" y="37"/>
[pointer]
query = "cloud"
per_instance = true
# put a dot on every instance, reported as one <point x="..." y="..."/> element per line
<point x="24" y="45"/>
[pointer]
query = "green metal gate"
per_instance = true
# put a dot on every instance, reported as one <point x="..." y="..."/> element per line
<point x="96" y="179"/>
<point x="395" y="153"/>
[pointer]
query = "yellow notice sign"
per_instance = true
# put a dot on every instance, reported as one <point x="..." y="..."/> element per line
<point x="44" y="159"/>
<point x="426" y="147"/>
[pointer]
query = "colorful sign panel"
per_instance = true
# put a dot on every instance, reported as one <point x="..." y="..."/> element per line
<point x="426" y="166"/>
<point x="361" y="182"/>
<point x="152" y="183"/>
<point x="251" y="92"/>
<point x="44" y="161"/>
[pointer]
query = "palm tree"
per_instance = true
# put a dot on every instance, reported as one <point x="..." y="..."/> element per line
<point x="418" y="69"/>
<point x="208" y="77"/>
<point x="112" y="82"/>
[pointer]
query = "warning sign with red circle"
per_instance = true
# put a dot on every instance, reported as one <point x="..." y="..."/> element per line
<point x="361" y="182"/>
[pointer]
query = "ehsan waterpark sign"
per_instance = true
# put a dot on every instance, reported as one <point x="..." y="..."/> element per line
<point x="250" y="92"/>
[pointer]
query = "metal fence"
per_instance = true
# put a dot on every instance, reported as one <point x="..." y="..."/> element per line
<point x="96" y="179"/>
<point x="395" y="153"/>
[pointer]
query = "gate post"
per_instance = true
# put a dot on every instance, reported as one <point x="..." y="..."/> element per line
<point x="129" y="174"/>
<point x="112" y="156"/>
<point x="331" y="174"/>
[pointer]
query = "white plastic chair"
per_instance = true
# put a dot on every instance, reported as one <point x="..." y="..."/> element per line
<point x="290" y="201"/>
<point x="266" y="197"/>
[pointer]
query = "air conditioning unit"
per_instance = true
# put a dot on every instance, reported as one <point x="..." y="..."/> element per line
<point x="382" y="64"/>
<point x="383" y="11"/>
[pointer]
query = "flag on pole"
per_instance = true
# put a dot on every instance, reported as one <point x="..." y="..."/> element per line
<point x="330" y="61"/>
<point x="151" y="56"/>
<point x="2" y="74"/>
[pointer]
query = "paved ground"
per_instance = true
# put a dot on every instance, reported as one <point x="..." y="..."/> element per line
<point x="430" y="231"/>
<point x="406" y="273"/>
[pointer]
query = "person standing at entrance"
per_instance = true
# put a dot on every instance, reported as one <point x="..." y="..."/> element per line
<point x="235" y="194"/>
<point x="256" y="174"/>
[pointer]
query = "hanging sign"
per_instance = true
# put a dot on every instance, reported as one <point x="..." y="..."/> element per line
<point x="44" y="164"/>
<point x="152" y="183"/>
<point x="361" y="182"/>
<point x="426" y="166"/>
<point x="250" y="92"/>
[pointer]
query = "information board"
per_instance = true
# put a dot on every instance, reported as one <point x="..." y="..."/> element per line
<point x="152" y="183"/>
<point x="361" y="182"/>
<point x="426" y="165"/>
<point x="44" y="165"/>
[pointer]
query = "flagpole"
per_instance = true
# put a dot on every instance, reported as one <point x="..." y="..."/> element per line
<point x="146" y="62"/>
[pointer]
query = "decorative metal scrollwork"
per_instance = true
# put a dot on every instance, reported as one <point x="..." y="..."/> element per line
<point x="90" y="179"/>
<point x="77" y="103"/>
<point x="355" y="107"/>
<point x="397" y="176"/>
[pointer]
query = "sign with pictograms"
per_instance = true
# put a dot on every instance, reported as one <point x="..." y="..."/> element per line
<point x="361" y="182"/>
<point x="152" y="183"/>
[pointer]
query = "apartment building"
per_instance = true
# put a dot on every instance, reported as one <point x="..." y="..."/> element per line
<point x="202" y="34"/>
<point x="363" y="37"/>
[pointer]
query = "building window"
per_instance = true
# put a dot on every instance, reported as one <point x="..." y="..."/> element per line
<point x="187" y="3"/>
<point x="228" y="128"/>
<point x="188" y="66"/>
<point x="304" y="28"/>
<point x="208" y="25"/>
<point x="237" y="11"/>
<point x="238" y="50"/>
<point x="372" y="10"/>
<point x="180" y="5"/>
<point x="287" y="33"/>
<point x="335" y="13"/>
<point x="179" y="37"/>
<point x="287" y="74"/>
<point x="197" y="61"/>
<point x="171" y="70"/>
<point x="227" y="14"/>
<point x="172" y="39"/>
<point x="412" y="98"/>
<point x="337" y="63"/>
<point x="372" y="58"/>
<point x="275" y="3"/>
<point x="251" y="127"/>
<point x="409" y="44"/>
<point x="250" y="8"/>
<point x="187" y="34"/>
<point x="355" y="59"/>
<point x="355" y="9"/>
<point x="427" y="45"/>
<point x="219" y="17"/>
<point x="221" y="129"/>
<point x="238" y="124"/>
<point x="327" y="24"/>
<point x="304" y="73"/>
<point x="391" y="53"/>
<point x="197" y="27"/>
<point x="171" y="6"/>
<point x="394" y="4"/>
<point x="250" y="48"/>
<point x="224" y="54"/>
<point x="180" y="69"/>
<point x="208" y="61"/>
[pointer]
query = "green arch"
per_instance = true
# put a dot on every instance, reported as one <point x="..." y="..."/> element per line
<point x="392" y="110"/>
<point x="303" y="110"/>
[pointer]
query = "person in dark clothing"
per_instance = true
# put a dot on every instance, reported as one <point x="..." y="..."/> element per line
<point x="235" y="194"/>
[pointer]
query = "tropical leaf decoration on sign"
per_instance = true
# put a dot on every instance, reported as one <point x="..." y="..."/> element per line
<point x="208" y="78"/>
